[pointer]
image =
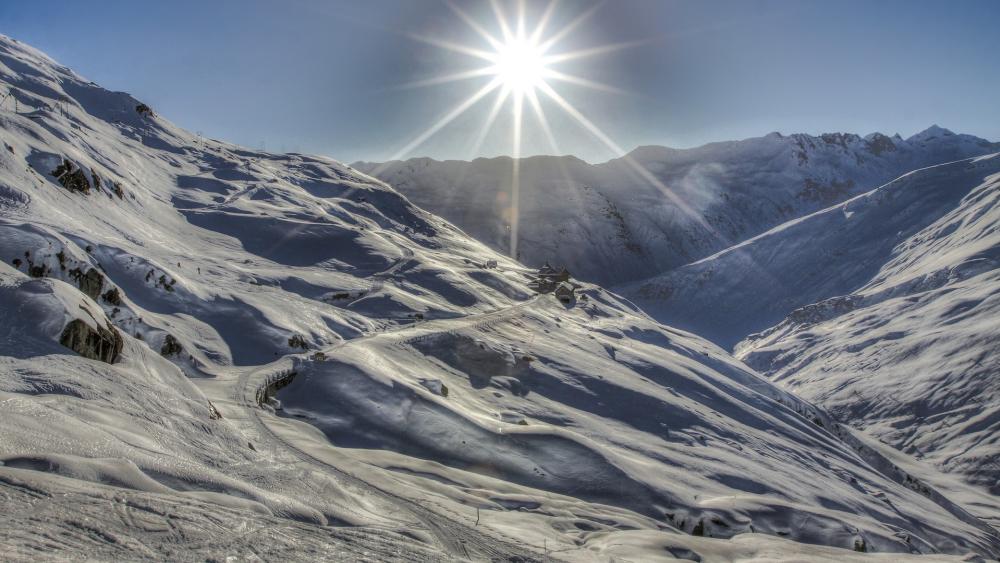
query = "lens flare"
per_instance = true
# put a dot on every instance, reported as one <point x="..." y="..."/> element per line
<point x="522" y="68"/>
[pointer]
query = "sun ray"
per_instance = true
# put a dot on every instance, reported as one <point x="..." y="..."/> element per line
<point x="471" y="22"/>
<point x="508" y="35"/>
<point x="577" y="21"/>
<point x="520" y="18"/>
<point x="448" y="118"/>
<point x="448" y="78"/>
<point x="521" y="66"/>
<point x="631" y="162"/>
<point x="515" y="187"/>
<point x="491" y="118"/>
<point x="571" y="79"/>
<point x="595" y="51"/>
<point x="543" y="21"/>
<point x="456" y="47"/>
<point x="542" y="120"/>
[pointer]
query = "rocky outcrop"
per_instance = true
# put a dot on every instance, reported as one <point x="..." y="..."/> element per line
<point x="171" y="347"/>
<point x="113" y="296"/>
<point x="72" y="178"/>
<point x="103" y="344"/>
<point x="90" y="282"/>
<point x="829" y="193"/>
<point x="879" y="143"/>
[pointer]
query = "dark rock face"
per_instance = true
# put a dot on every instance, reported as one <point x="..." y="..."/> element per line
<point x="298" y="341"/>
<point x="879" y="144"/>
<point x="72" y="178"/>
<point x="826" y="194"/>
<point x="39" y="271"/>
<point x="102" y="344"/>
<point x="113" y="296"/>
<point x="90" y="282"/>
<point x="144" y="110"/>
<point x="171" y="347"/>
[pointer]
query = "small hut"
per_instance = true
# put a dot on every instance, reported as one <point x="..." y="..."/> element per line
<point x="548" y="278"/>
<point x="565" y="293"/>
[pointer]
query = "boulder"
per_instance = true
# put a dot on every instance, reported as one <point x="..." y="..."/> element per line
<point x="171" y="347"/>
<point x="72" y="178"/>
<point x="103" y="344"/>
<point x="90" y="282"/>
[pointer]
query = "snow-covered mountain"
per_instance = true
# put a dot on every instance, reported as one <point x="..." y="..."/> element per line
<point x="214" y="352"/>
<point x="609" y="223"/>
<point x="912" y="356"/>
<point x="753" y="285"/>
<point x="884" y="309"/>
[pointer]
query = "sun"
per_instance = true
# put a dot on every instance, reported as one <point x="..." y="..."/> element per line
<point x="522" y="71"/>
<point x="520" y="65"/>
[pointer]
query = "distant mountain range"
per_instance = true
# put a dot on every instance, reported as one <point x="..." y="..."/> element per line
<point x="610" y="224"/>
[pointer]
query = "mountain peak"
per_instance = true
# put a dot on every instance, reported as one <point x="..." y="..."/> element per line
<point x="930" y="133"/>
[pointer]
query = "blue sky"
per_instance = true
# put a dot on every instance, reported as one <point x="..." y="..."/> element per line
<point x="326" y="77"/>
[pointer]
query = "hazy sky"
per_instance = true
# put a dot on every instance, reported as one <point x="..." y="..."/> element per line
<point x="328" y="77"/>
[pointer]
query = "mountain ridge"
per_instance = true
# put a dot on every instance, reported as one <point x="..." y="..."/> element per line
<point x="609" y="224"/>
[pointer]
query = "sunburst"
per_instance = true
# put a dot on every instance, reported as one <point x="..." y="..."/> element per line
<point x="520" y="66"/>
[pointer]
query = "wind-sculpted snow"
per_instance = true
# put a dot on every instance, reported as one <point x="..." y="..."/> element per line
<point x="609" y="224"/>
<point x="450" y="413"/>
<point x="569" y="407"/>
<point x="755" y="284"/>
<point x="912" y="356"/>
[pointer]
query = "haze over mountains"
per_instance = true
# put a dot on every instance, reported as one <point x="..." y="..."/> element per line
<point x="211" y="352"/>
<point x="609" y="224"/>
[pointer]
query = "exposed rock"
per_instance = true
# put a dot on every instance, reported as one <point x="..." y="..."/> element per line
<point x="90" y="283"/>
<point x="298" y="341"/>
<point x="879" y="144"/>
<point x="826" y="193"/>
<point x="171" y="347"/>
<point x="39" y="271"/>
<point x="113" y="296"/>
<point x="144" y="110"/>
<point x="213" y="413"/>
<point x="72" y="178"/>
<point x="103" y="344"/>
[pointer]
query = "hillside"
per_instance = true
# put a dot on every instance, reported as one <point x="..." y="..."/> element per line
<point x="212" y="352"/>
<point x="829" y="253"/>
<point x="609" y="224"/>
<point x="911" y="356"/>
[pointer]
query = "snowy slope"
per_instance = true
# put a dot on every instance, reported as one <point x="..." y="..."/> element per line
<point x="912" y="356"/>
<point x="500" y="426"/>
<point x="755" y="284"/>
<point x="609" y="224"/>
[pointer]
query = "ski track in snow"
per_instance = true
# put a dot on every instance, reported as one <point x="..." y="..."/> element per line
<point x="457" y="539"/>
